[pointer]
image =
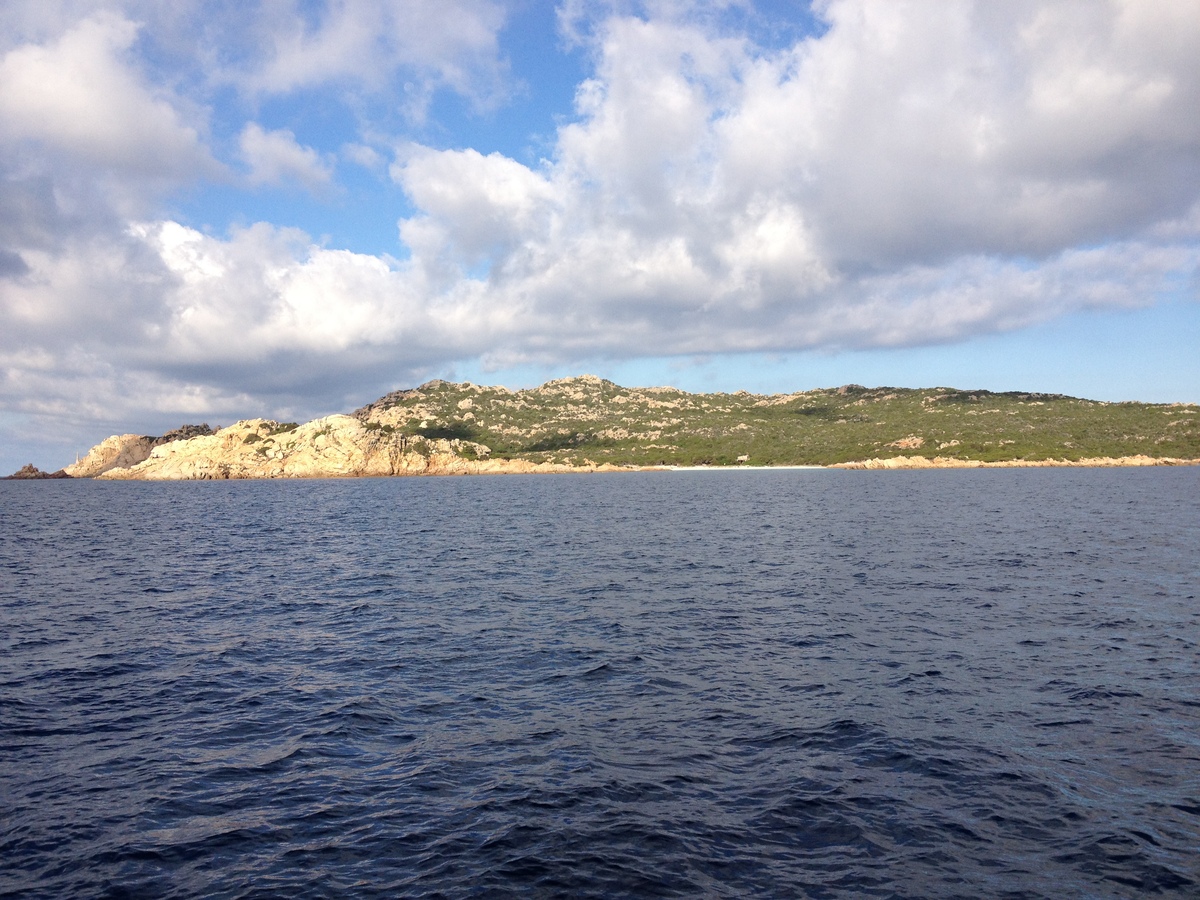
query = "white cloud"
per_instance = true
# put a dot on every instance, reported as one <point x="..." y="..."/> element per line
<point x="433" y="43"/>
<point x="477" y="208"/>
<point x="917" y="173"/>
<point x="363" y="155"/>
<point x="403" y="51"/>
<point x="268" y="298"/>
<point x="79" y="96"/>
<point x="87" y="140"/>
<point x="934" y="130"/>
<point x="274" y="157"/>
<point x="266" y="291"/>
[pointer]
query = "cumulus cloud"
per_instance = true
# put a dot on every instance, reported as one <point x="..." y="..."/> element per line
<point x="86" y="141"/>
<point x="79" y="97"/>
<point x="928" y="131"/>
<point x="275" y="157"/>
<point x="917" y="173"/>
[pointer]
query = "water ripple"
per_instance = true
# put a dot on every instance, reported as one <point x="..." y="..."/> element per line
<point x="822" y="684"/>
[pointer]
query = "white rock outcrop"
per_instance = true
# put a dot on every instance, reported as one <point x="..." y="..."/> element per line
<point x="117" y="452"/>
<point x="336" y="446"/>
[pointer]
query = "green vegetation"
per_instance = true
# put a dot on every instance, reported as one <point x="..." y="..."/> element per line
<point x="267" y="431"/>
<point x="586" y="418"/>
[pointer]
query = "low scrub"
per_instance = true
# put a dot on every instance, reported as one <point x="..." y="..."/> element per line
<point x="586" y="417"/>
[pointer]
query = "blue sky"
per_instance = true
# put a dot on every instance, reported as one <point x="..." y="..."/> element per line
<point x="217" y="210"/>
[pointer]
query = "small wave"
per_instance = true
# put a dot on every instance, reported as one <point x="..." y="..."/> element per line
<point x="467" y="687"/>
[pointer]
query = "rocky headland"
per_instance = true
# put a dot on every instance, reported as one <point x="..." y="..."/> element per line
<point x="337" y="446"/>
<point x="586" y="424"/>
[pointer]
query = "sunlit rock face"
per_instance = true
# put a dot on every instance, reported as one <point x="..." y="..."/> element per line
<point x="330" y="447"/>
<point x="117" y="452"/>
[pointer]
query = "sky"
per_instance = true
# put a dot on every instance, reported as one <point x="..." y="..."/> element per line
<point x="221" y="209"/>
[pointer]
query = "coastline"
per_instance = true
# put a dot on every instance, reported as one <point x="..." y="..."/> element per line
<point x="461" y="467"/>
<point x="944" y="462"/>
<point x="922" y="463"/>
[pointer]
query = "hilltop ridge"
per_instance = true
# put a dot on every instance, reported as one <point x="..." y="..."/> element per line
<point x="588" y="423"/>
<point x="590" y="418"/>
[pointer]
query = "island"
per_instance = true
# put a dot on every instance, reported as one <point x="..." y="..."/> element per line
<point x="588" y="424"/>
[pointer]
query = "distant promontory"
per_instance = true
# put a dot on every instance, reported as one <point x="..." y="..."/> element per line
<point x="589" y="424"/>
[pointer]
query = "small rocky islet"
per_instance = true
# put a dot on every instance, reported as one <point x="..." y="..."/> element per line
<point x="30" y="472"/>
<point x="586" y="423"/>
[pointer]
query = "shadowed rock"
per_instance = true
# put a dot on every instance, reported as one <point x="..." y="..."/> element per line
<point x="33" y="473"/>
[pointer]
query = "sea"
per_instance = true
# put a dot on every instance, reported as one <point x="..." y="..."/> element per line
<point x="962" y="683"/>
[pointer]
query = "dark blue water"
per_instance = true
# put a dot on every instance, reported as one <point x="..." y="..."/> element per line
<point x="825" y="684"/>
